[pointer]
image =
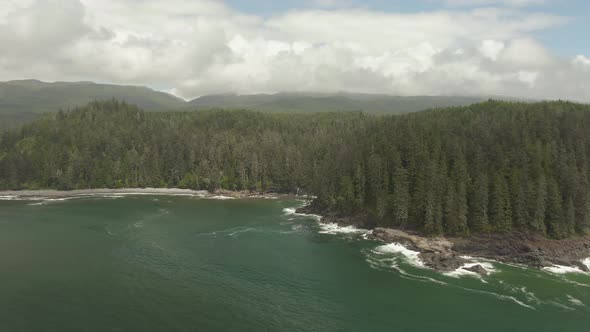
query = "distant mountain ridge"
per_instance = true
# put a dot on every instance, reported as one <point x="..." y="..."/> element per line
<point x="24" y="100"/>
<point x="331" y="102"/>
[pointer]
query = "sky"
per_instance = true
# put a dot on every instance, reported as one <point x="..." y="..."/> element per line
<point x="536" y="49"/>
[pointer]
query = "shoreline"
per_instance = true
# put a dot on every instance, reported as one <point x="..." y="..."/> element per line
<point x="449" y="254"/>
<point x="220" y="194"/>
<point x="443" y="254"/>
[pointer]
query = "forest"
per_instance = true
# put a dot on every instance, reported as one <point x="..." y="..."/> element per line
<point x="489" y="167"/>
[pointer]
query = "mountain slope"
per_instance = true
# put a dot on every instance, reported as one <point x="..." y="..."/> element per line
<point x="316" y="102"/>
<point x="23" y="100"/>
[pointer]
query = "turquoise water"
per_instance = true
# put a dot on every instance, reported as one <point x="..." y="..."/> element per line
<point x="162" y="263"/>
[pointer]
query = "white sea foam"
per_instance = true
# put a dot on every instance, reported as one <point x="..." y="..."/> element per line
<point x="561" y="269"/>
<point x="575" y="301"/>
<point x="395" y="248"/>
<point x="289" y="210"/>
<point x="221" y="197"/>
<point x="499" y="296"/>
<point x="586" y="262"/>
<point x="529" y="295"/>
<point x="462" y="271"/>
<point x="61" y="199"/>
<point x="333" y="228"/>
<point x="297" y="228"/>
<point x="293" y="212"/>
<point x="241" y="231"/>
<point x="513" y="299"/>
<point x="8" y="198"/>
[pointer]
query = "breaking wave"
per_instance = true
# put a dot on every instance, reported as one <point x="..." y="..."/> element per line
<point x="291" y="211"/>
<point x="463" y="270"/>
<point x="410" y="256"/>
<point x="333" y="228"/>
<point x="561" y="269"/>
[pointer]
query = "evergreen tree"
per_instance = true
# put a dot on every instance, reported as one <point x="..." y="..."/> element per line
<point x="495" y="166"/>
<point x="479" y="205"/>
<point x="500" y="207"/>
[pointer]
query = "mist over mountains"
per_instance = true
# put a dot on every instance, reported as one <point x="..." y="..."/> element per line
<point x="24" y="100"/>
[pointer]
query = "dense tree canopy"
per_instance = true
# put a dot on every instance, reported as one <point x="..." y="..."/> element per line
<point x="490" y="167"/>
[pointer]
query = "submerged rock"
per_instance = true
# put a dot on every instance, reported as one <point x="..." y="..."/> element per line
<point x="442" y="261"/>
<point x="477" y="269"/>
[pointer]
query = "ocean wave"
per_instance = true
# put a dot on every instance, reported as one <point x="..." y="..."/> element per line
<point x="575" y="301"/>
<point x="395" y="248"/>
<point x="586" y="262"/>
<point x="291" y="211"/>
<point x="498" y="296"/>
<point x="220" y="197"/>
<point x="327" y="228"/>
<point x="560" y="305"/>
<point x="333" y="228"/>
<point x="562" y="269"/>
<point x="8" y="198"/>
<point x="463" y="270"/>
<point x="506" y="298"/>
<point x="298" y="228"/>
<point x="241" y="231"/>
<point x="380" y="264"/>
<point x="61" y="199"/>
<point x="410" y="276"/>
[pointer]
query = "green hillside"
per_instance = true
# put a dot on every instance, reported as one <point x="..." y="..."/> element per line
<point x="23" y="100"/>
<point x="488" y="167"/>
<point x="317" y="102"/>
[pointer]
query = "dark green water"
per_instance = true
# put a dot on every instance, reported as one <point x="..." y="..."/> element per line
<point x="147" y="263"/>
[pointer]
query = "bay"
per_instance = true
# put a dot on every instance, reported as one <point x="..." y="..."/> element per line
<point x="165" y="263"/>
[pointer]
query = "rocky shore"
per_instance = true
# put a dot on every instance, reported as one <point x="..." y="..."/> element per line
<point x="447" y="254"/>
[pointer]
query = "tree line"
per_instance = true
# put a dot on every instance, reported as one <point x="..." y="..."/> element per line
<point x="490" y="167"/>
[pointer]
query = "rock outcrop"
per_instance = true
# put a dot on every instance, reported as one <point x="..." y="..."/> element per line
<point x="436" y="253"/>
<point x="477" y="269"/>
<point x="446" y="254"/>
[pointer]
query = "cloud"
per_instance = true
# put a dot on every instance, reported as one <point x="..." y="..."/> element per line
<point x="582" y="60"/>
<point x="330" y="3"/>
<point x="491" y="48"/>
<point x="200" y="47"/>
<point x="42" y="25"/>
<point x="512" y="3"/>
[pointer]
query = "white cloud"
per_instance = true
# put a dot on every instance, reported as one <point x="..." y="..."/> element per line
<point x="526" y="53"/>
<point x="203" y="46"/>
<point x="513" y="3"/>
<point x="582" y="60"/>
<point x="491" y="48"/>
<point x="330" y="3"/>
